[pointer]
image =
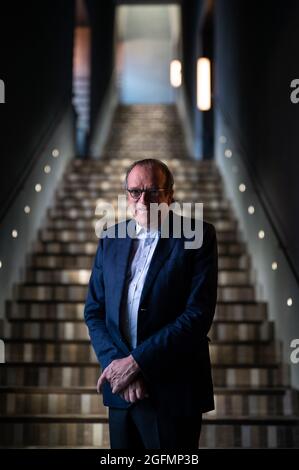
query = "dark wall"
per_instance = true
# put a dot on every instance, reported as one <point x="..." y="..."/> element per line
<point x="190" y="39"/>
<point x="197" y="41"/>
<point x="36" y="43"/>
<point x="102" y="53"/>
<point x="257" y="57"/>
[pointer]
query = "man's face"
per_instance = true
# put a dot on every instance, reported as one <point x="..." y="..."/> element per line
<point x="146" y="177"/>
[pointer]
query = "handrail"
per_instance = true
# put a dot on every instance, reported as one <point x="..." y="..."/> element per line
<point x="34" y="159"/>
<point x="254" y="181"/>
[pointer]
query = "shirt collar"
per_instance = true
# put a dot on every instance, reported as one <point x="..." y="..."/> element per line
<point x="142" y="232"/>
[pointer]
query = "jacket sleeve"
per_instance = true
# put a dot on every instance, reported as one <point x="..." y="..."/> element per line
<point x="180" y="339"/>
<point x="94" y="314"/>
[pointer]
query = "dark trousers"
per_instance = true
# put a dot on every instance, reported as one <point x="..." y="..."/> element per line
<point x="142" y="427"/>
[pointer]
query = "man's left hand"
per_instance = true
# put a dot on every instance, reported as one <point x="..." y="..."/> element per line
<point x="119" y="373"/>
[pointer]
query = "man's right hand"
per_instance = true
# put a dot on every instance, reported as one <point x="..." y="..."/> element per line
<point x="136" y="390"/>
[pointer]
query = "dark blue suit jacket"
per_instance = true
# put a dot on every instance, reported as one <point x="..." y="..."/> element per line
<point x="175" y="314"/>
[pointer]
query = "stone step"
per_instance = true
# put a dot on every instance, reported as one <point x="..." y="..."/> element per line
<point x="75" y="292"/>
<point x="236" y="311"/>
<point x="89" y="248"/>
<point x="89" y="212"/>
<point x="179" y="174"/>
<point x="85" y="400"/>
<point x="243" y="433"/>
<point x="80" y="351"/>
<point x="81" y="276"/>
<point x="231" y="312"/>
<point x="48" y="261"/>
<point x="52" y="431"/>
<point x="83" y="224"/>
<point x="76" y="330"/>
<point x="110" y="192"/>
<point x="76" y="189"/>
<point x="81" y="235"/>
<point x="92" y="430"/>
<point x="86" y="374"/>
<point x="185" y="165"/>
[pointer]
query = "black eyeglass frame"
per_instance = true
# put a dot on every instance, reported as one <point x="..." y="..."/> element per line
<point x="154" y="193"/>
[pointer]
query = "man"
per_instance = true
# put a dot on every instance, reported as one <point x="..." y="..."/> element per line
<point x="149" y="308"/>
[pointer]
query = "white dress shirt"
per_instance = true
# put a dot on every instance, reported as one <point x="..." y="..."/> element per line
<point x="139" y="261"/>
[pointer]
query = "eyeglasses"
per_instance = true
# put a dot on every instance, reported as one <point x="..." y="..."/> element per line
<point x="153" y="193"/>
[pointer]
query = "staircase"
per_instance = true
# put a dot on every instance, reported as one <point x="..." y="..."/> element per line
<point x="48" y="396"/>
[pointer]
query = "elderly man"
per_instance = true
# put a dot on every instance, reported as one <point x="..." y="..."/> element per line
<point x="149" y="307"/>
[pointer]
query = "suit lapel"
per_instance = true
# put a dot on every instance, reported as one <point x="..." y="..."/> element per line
<point x="163" y="249"/>
<point x="120" y="269"/>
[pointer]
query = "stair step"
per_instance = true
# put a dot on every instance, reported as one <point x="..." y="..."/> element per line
<point x="81" y="276"/>
<point x="76" y="292"/>
<point x="71" y="374"/>
<point x="76" y="330"/>
<point x="89" y="212"/>
<point x="84" y="400"/>
<point x="50" y="433"/>
<point x="49" y="261"/>
<point x="257" y="433"/>
<point x="81" y="351"/>
<point x="87" y="225"/>
<point x="89" y="248"/>
<point x="79" y="235"/>
<point x="234" y="311"/>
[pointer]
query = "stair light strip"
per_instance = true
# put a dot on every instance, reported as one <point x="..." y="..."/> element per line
<point x="251" y="209"/>
<point x="37" y="188"/>
<point x="175" y="73"/>
<point x="204" y="84"/>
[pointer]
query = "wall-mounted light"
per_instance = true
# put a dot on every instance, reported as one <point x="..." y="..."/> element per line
<point x="274" y="266"/>
<point x="0" y="264"/>
<point x="38" y="188"/>
<point x="55" y="153"/>
<point x="261" y="234"/>
<point x="251" y="210"/>
<point x="175" y="73"/>
<point x="289" y="302"/>
<point x="27" y="209"/>
<point x="242" y="188"/>
<point x="204" y="84"/>
<point x="14" y="233"/>
<point x="228" y="153"/>
<point x="47" y="169"/>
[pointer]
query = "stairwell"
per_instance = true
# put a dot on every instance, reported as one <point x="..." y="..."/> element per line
<point x="48" y="395"/>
